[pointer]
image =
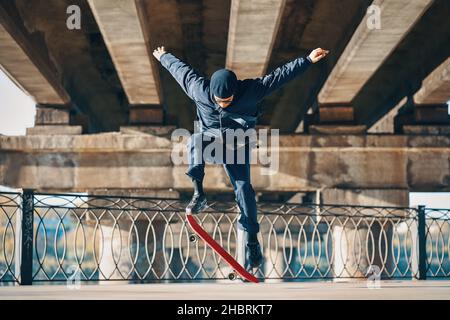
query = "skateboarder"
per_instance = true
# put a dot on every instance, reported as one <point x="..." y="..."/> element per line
<point x="224" y="102"/>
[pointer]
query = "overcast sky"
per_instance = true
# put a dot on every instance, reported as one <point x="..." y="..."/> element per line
<point x="17" y="112"/>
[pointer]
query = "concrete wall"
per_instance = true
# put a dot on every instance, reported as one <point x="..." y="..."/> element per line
<point x="306" y="163"/>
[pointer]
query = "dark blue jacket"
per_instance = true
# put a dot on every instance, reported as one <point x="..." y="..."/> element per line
<point x="243" y="111"/>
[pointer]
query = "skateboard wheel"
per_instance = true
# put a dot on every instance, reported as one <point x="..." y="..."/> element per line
<point x="232" y="276"/>
<point x="192" y="238"/>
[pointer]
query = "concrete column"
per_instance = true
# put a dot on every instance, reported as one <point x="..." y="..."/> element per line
<point x="53" y="119"/>
<point x="350" y="253"/>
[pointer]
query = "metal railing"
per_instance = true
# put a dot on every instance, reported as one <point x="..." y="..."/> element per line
<point x="62" y="237"/>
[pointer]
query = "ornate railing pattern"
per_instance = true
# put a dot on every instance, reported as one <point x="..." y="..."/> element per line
<point x="10" y="213"/>
<point x="437" y="236"/>
<point x="97" y="238"/>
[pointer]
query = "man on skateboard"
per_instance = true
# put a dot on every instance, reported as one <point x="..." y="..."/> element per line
<point x="224" y="103"/>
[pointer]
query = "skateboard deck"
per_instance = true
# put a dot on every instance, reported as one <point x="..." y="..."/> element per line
<point x="219" y="250"/>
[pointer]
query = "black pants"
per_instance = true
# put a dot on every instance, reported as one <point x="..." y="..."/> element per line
<point x="237" y="169"/>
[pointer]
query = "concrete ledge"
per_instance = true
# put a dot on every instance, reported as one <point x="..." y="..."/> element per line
<point x="152" y="130"/>
<point x="305" y="163"/>
<point x="431" y="129"/>
<point x="54" y="130"/>
<point x="116" y="142"/>
<point x="337" y="129"/>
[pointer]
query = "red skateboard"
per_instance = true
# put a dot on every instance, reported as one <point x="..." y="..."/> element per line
<point x="220" y="251"/>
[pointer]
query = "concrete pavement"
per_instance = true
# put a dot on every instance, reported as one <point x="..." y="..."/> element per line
<point x="236" y="290"/>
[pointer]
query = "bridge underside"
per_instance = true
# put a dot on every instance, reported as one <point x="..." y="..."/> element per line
<point x="105" y="77"/>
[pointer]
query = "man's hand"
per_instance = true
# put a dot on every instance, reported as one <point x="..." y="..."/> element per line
<point x="158" y="52"/>
<point x="318" y="54"/>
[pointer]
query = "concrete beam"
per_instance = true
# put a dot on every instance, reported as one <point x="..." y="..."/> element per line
<point x="307" y="25"/>
<point x="215" y="24"/>
<point x="400" y="75"/>
<point x="252" y="32"/>
<point x="368" y="48"/>
<point x="163" y="19"/>
<point x="80" y="56"/>
<point x="306" y="163"/>
<point x="25" y="66"/>
<point x="436" y="87"/>
<point x="122" y="29"/>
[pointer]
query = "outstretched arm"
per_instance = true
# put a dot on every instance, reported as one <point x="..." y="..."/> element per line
<point x="183" y="73"/>
<point x="280" y="76"/>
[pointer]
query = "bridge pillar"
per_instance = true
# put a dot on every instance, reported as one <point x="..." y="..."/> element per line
<point x="351" y="257"/>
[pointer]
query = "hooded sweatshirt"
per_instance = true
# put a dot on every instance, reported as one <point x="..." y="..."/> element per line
<point x="247" y="93"/>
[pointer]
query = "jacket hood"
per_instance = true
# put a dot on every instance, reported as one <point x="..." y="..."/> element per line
<point x="223" y="83"/>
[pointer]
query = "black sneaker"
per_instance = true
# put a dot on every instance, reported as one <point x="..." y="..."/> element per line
<point x="197" y="204"/>
<point x="253" y="254"/>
